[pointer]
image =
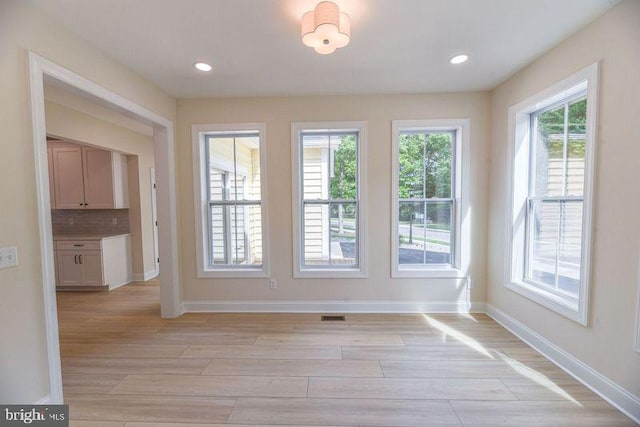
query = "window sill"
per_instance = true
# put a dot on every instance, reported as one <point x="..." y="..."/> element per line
<point x="427" y="273"/>
<point x="321" y="273"/>
<point x="233" y="274"/>
<point x="567" y="307"/>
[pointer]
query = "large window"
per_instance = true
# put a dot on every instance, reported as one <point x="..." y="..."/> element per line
<point x="231" y="196"/>
<point x="552" y="166"/>
<point x="328" y="199"/>
<point x="427" y="198"/>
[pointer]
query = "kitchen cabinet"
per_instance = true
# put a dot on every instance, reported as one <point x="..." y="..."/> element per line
<point x="92" y="262"/>
<point x="88" y="178"/>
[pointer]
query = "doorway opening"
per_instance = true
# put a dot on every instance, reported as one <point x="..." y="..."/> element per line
<point x="42" y="70"/>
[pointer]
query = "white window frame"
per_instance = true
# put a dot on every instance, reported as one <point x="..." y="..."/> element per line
<point x="199" y="134"/>
<point x="459" y="268"/>
<point x="359" y="271"/>
<point x="517" y="192"/>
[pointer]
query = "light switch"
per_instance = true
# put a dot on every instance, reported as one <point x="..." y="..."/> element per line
<point x="8" y="257"/>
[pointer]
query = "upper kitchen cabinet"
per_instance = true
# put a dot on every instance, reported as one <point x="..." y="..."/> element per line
<point x="88" y="178"/>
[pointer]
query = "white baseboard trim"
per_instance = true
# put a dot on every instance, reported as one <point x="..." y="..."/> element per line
<point x="112" y="287"/>
<point x="44" y="401"/>
<point x="601" y="385"/>
<point x="147" y="275"/>
<point x="330" y="307"/>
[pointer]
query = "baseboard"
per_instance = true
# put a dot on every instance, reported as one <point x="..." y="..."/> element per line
<point x="330" y="307"/>
<point x="112" y="287"/>
<point x="44" y="401"/>
<point x="601" y="385"/>
<point x="143" y="277"/>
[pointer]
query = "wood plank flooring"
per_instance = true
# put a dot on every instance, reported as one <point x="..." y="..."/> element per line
<point x="124" y="366"/>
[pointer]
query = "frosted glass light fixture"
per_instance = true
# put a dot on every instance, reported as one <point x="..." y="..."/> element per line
<point x="325" y="28"/>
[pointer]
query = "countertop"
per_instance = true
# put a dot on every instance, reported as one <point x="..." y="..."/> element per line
<point x="87" y="236"/>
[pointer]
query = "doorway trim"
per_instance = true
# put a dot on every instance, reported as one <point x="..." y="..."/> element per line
<point x="163" y="140"/>
<point x="154" y="222"/>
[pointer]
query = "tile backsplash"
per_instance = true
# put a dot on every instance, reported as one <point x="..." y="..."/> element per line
<point x="90" y="221"/>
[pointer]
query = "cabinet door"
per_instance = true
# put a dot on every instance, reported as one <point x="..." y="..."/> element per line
<point x="68" y="182"/>
<point x="98" y="179"/>
<point x="69" y="271"/>
<point x="52" y="191"/>
<point x="92" y="268"/>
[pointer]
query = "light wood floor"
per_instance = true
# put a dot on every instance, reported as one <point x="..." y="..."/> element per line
<point x="124" y="366"/>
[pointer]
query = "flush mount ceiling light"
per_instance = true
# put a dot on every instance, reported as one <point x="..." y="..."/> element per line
<point x="326" y="28"/>
<point x="202" y="66"/>
<point x="459" y="59"/>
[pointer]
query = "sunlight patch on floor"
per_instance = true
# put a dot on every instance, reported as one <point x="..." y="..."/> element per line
<point x="457" y="335"/>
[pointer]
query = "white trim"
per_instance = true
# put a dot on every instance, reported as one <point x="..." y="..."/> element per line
<point x="119" y="285"/>
<point x="518" y="131"/>
<point x="462" y="235"/>
<point x="622" y="399"/>
<point x="143" y="277"/>
<point x="361" y="270"/>
<point x="44" y="401"/>
<point x="637" y="340"/>
<point x="198" y="134"/>
<point x="39" y="68"/>
<point x="332" y="307"/>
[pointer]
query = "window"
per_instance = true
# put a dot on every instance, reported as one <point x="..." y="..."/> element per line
<point x="553" y="166"/>
<point x="328" y="194"/>
<point x="231" y="194"/>
<point x="428" y="199"/>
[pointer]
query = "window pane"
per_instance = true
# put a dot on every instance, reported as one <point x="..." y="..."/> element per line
<point x="342" y="240"/>
<point x="411" y="174"/>
<point x="555" y="246"/>
<point x="234" y="167"/>
<point x="315" y="167"/>
<point x="576" y="148"/>
<point x="425" y="165"/>
<point x="217" y="235"/>
<point x="438" y="165"/>
<point x="255" y="235"/>
<point x="316" y="234"/>
<point x="238" y="233"/>
<point x="548" y="154"/>
<point x="425" y="233"/>
<point x="343" y="168"/>
<point x="410" y="232"/>
<point x="570" y="248"/>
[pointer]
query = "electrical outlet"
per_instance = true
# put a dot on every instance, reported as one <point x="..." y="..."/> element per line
<point x="114" y="221"/>
<point x="273" y="283"/>
<point x="8" y="257"/>
<point x="70" y="221"/>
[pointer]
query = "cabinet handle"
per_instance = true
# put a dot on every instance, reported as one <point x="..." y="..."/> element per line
<point x="75" y="259"/>
<point x="81" y="204"/>
<point x="78" y="246"/>
<point x="80" y="258"/>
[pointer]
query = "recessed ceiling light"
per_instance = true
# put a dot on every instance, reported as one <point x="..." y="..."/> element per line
<point x="459" y="59"/>
<point x="202" y="66"/>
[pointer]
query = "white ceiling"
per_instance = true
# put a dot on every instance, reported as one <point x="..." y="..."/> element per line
<point x="397" y="46"/>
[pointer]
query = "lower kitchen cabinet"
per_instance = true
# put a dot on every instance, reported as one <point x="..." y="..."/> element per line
<point x="79" y="268"/>
<point x="92" y="262"/>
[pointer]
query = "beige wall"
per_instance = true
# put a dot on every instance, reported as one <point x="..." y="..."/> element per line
<point x="378" y="111"/>
<point x="71" y="124"/>
<point x="23" y="367"/>
<point x="606" y="344"/>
